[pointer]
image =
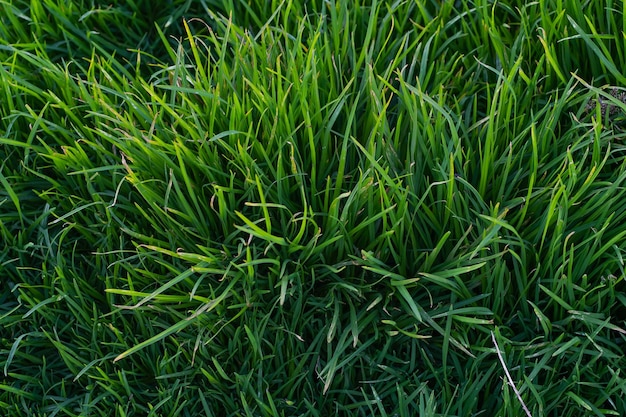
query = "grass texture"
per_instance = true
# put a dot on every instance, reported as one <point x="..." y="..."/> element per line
<point x="316" y="208"/>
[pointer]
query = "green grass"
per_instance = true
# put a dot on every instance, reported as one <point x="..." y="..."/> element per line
<point x="382" y="209"/>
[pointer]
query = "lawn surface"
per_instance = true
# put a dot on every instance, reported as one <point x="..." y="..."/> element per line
<point x="316" y="208"/>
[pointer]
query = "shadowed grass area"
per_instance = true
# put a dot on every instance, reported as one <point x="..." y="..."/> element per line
<point x="390" y="209"/>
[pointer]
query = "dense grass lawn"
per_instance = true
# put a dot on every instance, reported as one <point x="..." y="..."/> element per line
<point x="318" y="208"/>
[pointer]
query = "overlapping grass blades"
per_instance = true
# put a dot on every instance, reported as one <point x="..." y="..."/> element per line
<point x="354" y="210"/>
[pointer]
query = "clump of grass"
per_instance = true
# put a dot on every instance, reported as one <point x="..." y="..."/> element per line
<point x="381" y="209"/>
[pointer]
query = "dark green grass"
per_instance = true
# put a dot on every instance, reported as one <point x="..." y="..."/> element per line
<point x="387" y="209"/>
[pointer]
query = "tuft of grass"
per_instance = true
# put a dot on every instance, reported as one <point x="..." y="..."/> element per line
<point x="377" y="209"/>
